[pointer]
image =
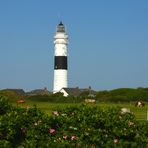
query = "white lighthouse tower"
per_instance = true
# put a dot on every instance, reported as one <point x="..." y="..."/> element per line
<point x="60" y="59"/>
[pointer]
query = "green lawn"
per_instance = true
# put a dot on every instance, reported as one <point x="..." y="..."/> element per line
<point x="140" y="113"/>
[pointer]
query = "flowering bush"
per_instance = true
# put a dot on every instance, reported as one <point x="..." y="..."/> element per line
<point x="83" y="126"/>
<point x="5" y="106"/>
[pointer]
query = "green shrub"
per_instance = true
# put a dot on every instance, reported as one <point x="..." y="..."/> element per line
<point x="55" y="98"/>
<point x="123" y="95"/>
<point x="97" y="127"/>
<point x="4" y="105"/>
<point x="83" y="126"/>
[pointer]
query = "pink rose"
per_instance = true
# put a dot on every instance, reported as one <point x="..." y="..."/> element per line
<point x="115" y="141"/>
<point x="55" y="113"/>
<point x="130" y="123"/>
<point x="73" y="138"/>
<point x="52" y="130"/>
<point x="65" y="137"/>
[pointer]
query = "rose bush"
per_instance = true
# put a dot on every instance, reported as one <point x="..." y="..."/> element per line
<point x="83" y="126"/>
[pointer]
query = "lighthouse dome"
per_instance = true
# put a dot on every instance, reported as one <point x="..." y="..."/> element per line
<point x="60" y="27"/>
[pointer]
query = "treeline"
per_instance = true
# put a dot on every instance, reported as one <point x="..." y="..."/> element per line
<point x="55" y="98"/>
<point x="123" y="95"/>
<point x="116" y="95"/>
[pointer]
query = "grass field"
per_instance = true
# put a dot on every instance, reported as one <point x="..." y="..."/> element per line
<point x="140" y="113"/>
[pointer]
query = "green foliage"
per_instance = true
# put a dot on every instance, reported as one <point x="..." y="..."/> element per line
<point x="116" y="95"/>
<point x="83" y="126"/>
<point x="20" y="124"/>
<point x="93" y="126"/>
<point x="11" y="95"/>
<point x="55" y="98"/>
<point x="4" y="105"/>
<point x="123" y="95"/>
<point x="39" y="98"/>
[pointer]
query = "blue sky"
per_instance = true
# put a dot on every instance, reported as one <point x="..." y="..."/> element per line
<point x="108" y="43"/>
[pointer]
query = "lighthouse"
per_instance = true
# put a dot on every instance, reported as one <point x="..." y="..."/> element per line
<point x="60" y="59"/>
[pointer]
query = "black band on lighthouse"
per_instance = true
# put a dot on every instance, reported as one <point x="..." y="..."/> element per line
<point x="60" y="62"/>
